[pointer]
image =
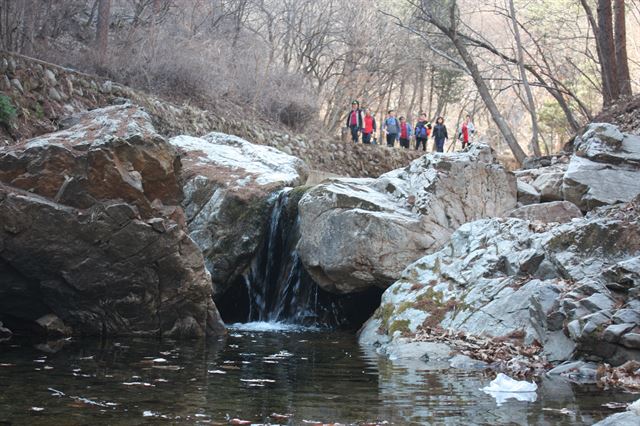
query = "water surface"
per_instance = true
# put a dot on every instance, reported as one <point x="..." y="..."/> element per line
<point x="314" y="375"/>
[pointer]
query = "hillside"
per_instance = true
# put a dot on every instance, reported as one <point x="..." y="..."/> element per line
<point x="44" y="95"/>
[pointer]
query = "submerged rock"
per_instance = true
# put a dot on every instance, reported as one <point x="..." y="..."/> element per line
<point x="5" y="333"/>
<point x="90" y="232"/>
<point x="358" y="233"/>
<point x="229" y="187"/>
<point x="559" y="286"/>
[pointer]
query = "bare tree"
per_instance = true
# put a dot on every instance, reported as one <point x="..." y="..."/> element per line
<point x="445" y="17"/>
<point x="620" y="41"/>
<point x="531" y="105"/>
<point x="102" y="29"/>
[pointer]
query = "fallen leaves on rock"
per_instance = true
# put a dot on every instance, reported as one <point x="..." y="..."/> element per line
<point x="506" y="354"/>
<point x="626" y="376"/>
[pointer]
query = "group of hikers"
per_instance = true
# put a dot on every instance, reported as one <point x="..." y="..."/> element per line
<point x="362" y="122"/>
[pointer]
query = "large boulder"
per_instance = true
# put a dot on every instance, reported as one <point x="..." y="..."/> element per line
<point x="229" y="187"/>
<point x="111" y="153"/>
<point x="572" y="288"/>
<point x="541" y="180"/>
<point x="91" y="237"/>
<point x="605" y="168"/>
<point x="358" y="233"/>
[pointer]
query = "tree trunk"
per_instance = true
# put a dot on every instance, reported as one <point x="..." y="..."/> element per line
<point x="102" y="29"/>
<point x="596" y="33"/>
<point x="421" y="90"/>
<point x="488" y="100"/>
<point x="622" y="62"/>
<point x="531" y="105"/>
<point x="608" y="60"/>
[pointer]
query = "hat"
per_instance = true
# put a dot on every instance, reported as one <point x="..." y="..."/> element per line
<point x="355" y="102"/>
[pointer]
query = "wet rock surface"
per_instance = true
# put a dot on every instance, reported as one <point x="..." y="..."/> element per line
<point x="91" y="236"/>
<point x="229" y="187"/>
<point x="358" y="233"/>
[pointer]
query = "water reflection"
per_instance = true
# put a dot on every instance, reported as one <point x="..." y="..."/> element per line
<point x="314" y="375"/>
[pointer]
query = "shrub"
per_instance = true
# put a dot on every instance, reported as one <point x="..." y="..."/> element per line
<point x="7" y="110"/>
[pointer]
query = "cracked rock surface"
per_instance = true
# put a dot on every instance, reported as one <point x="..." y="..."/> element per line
<point x="572" y="288"/>
<point x="91" y="232"/>
<point x="359" y="233"/>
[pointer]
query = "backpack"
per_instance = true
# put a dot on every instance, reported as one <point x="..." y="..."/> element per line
<point x="421" y="130"/>
<point x="392" y="121"/>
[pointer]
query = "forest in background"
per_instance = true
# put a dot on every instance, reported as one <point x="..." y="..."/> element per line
<point x="530" y="72"/>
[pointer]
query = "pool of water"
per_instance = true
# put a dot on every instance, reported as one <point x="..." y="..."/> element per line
<point x="313" y="375"/>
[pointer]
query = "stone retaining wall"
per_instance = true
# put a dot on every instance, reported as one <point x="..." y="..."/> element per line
<point x="44" y="94"/>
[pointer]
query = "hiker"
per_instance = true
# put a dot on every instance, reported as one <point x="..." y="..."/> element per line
<point x="369" y="126"/>
<point x="354" y="121"/>
<point x="440" y="134"/>
<point x="391" y="127"/>
<point x="422" y="131"/>
<point x="405" y="133"/>
<point x="466" y="131"/>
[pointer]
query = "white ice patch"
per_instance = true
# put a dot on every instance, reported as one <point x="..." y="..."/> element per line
<point x="266" y="164"/>
<point x="504" y="387"/>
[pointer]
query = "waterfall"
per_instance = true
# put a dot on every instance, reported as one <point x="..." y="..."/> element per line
<point x="277" y="288"/>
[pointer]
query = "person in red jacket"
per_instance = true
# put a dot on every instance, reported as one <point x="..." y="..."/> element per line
<point x="405" y="133"/>
<point x="354" y="121"/>
<point x="369" y="126"/>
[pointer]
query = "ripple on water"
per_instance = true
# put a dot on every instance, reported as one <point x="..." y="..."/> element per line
<point x="264" y="326"/>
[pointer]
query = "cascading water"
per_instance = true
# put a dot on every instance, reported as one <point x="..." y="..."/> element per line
<point x="279" y="289"/>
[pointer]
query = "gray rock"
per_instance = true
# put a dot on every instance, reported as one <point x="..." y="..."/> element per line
<point x="5" y="333"/>
<point x="4" y="65"/>
<point x="555" y="211"/>
<point x="626" y="315"/>
<point x="604" y="168"/>
<point x="527" y="194"/>
<point x="16" y="83"/>
<point x="106" y="87"/>
<point x="598" y="302"/>
<point x="464" y="362"/>
<point x="359" y="233"/>
<point x="631" y="340"/>
<point x="620" y="419"/>
<point x="52" y="326"/>
<point x="54" y="94"/>
<point x="614" y="331"/>
<point x="6" y="83"/>
<point x="549" y="185"/>
<point x="51" y="77"/>
<point x="498" y="277"/>
<point x="578" y="370"/>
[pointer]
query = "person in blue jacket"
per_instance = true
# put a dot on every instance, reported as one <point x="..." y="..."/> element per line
<point x="440" y="134"/>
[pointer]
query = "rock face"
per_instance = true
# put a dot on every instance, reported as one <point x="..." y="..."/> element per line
<point x="554" y="211"/>
<point x="604" y="168"/>
<point x="229" y="187"/>
<point x="90" y="232"/>
<point x="572" y="288"/>
<point x="358" y="233"/>
<point x="542" y="182"/>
